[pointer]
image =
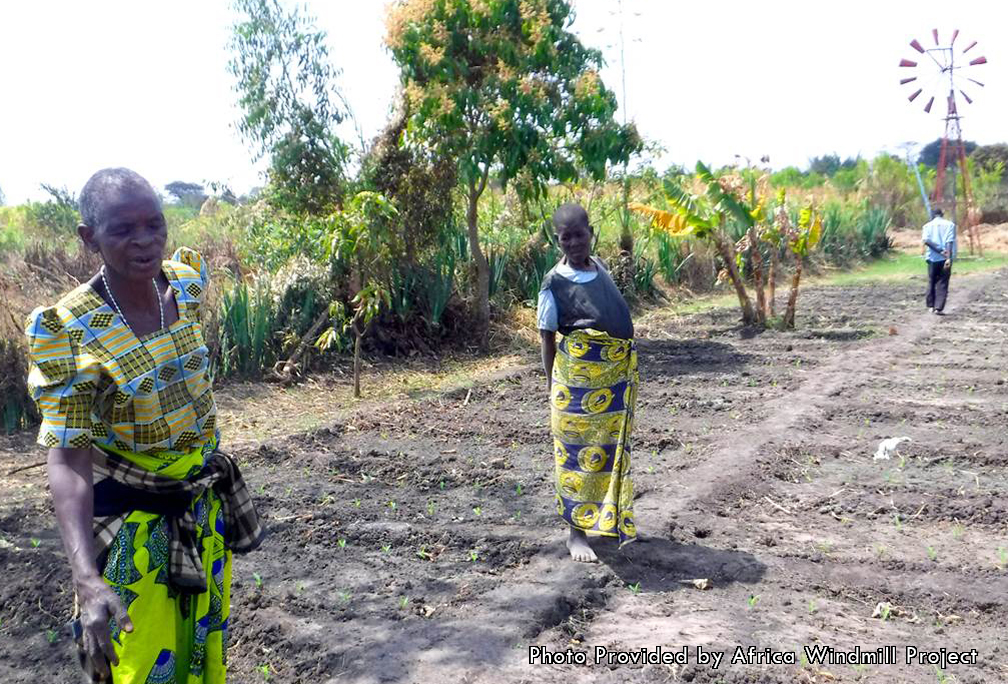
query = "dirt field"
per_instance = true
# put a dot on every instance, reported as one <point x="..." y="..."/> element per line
<point x="417" y="542"/>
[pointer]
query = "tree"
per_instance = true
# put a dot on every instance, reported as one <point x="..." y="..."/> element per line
<point x="929" y="153"/>
<point x="290" y="105"/>
<point x="191" y="194"/>
<point x="504" y="85"/>
<point x="826" y="165"/>
<point x="988" y="156"/>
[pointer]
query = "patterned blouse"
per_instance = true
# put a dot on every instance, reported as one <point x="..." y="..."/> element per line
<point x="95" y="382"/>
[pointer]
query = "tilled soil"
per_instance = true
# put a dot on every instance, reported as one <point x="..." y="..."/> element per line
<point x="419" y="542"/>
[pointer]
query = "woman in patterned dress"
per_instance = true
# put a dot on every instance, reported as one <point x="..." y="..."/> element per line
<point x="592" y="377"/>
<point x="149" y="510"/>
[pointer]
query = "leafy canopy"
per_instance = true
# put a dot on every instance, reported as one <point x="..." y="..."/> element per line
<point x="290" y="105"/>
<point x="506" y="82"/>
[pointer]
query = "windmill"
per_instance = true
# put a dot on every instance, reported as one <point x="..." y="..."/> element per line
<point x="946" y="72"/>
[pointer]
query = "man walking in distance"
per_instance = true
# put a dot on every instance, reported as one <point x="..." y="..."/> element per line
<point x="939" y="236"/>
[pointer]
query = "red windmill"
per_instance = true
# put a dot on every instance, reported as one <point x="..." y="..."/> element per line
<point x="947" y="72"/>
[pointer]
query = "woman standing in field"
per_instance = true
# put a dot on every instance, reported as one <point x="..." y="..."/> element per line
<point x="592" y="378"/>
<point x="148" y="508"/>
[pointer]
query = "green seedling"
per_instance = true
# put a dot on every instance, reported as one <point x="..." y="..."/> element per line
<point x="885" y="612"/>
<point x="753" y="600"/>
<point x="423" y="553"/>
<point x="957" y="531"/>
<point x="880" y="550"/>
<point x="35" y="542"/>
<point x="403" y="602"/>
<point x="473" y="556"/>
<point x="902" y="462"/>
<point x="289" y="490"/>
<point x="897" y="522"/>
<point x="518" y="489"/>
<point x="392" y="505"/>
<point x="345" y="596"/>
<point x="356" y="503"/>
<point x="387" y="548"/>
<point x="51" y="636"/>
<point x="265" y="670"/>
<point x="258" y="579"/>
<point x="812" y="608"/>
<point x="299" y="588"/>
<point x="441" y="484"/>
<point x="341" y="543"/>
<point x="634" y="588"/>
<point x="1002" y="557"/>
<point x="517" y="515"/>
<point x="478" y="511"/>
<point x="932" y="554"/>
<point x="430" y="508"/>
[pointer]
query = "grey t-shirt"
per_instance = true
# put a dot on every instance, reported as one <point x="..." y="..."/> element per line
<point x="595" y="304"/>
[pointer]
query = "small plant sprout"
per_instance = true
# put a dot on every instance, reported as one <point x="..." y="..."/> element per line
<point x="356" y="503"/>
<point x="880" y="550"/>
<point x="473" y="556"/>
<point x="902" y="462"/>
<point x="932" y="554"/>
<point x="884" y="611"/>
<point x="403" y="602"/>
<point x="341" y="543"/>
<point x="51" y="635"/>
<point x="35" y="542"/>
<point x="430" y="508"/>
<point x="634" y="588"/>
<point x="258" y="579"/>
<point x="1002" y="553"/>
<point x="265" y="671"/>
<point x="518" y="489"/>
<point x="478" y="511"/>
<point x="753" y="600"/>
<point x="423" y="553"/>
<point x="392" y="505"/>
<point x="897" y="522"/>
<point x="957" y="531"/>
<point x="441" y="484"/>
<point x="346" y="595"/>
<point x="299" y="588"/>
<point x="812" y="607"/>
<point x="387" y="548"/>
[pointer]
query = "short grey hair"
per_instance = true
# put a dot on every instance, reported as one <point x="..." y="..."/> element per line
<point x="95" y="195"/>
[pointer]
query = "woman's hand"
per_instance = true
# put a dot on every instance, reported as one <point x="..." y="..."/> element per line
<point x="99" y="604"/>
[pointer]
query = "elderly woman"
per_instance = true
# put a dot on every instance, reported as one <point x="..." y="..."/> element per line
<point x="148" y="508"/>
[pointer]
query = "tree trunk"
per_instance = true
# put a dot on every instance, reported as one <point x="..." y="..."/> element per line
<point x="626" y="237"/>
<point x="757" y="260"/>
<point x="356" y="361"/>
<point x="789" y="313"/>
<point x="772" y="280"/>
<point x="482" y="330"/>
<point x="722" y="245"/>
<point x="286" y="371"/>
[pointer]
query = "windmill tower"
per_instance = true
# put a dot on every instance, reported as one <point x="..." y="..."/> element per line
<point x="945" y="72"/>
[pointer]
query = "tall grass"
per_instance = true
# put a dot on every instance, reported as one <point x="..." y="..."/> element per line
<point x="247" y="326"/>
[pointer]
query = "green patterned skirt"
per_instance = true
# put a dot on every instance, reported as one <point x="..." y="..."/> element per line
<point x="594" y="391"/>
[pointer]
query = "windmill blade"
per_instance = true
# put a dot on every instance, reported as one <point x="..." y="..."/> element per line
<point x="907" y="63"/>
<point x="975" y="81"/>
<point x="970" y="47"/>
<point x="915" y="94"/>
<point x="955" y="34"/>
<point x="978" y="60"/>
<point x="968" y="100"/>
<point x="916" y="46"/>
<point x="927" y="107"/>
<point x="934" y="32"/>
<point x="904" y="81"/>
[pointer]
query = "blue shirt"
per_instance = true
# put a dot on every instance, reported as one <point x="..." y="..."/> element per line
<point x="939" y="231"/>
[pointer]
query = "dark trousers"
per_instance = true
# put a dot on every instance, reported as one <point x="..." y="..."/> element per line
<point x="938" y="281"/>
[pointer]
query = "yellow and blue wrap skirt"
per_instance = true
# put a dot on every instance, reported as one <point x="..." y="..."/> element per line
<point x="593" y="395"/>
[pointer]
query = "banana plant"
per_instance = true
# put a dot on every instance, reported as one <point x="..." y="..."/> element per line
<point x="801" y="239"/>
<point x="704" y="216"/>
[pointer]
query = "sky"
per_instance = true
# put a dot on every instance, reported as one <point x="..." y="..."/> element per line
<point x="144" y="84"/>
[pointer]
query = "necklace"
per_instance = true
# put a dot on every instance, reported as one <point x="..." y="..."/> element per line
<point x="157" y="295"/>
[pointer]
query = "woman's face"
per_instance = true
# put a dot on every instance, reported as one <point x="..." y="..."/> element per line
<point x="575" y="242"/>
<point x="131" y="234"/>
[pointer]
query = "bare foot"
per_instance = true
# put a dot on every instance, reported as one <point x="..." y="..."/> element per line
<point x="577" y="544"/>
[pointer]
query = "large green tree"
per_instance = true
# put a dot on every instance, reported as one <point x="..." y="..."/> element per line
<point x="290" y="105"/>
<point x="504" y="86"/>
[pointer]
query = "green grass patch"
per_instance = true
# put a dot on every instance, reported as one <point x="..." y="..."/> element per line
<point x="901" y="265"/>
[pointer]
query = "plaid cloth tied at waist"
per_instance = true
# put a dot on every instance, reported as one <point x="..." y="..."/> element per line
<point x="243" y="531"/>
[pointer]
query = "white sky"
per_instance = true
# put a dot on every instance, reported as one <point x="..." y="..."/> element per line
<point x="144" y="84"/>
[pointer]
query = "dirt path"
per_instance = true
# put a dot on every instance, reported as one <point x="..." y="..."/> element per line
<point x="418" y="542"/>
